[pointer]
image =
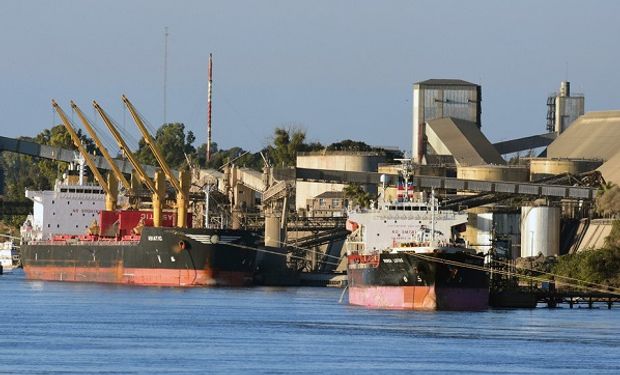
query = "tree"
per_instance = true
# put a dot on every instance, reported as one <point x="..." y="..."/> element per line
<point x="173" y="143"/>
<point x="287" y="142"/>
<point x="349" y="145"/>
<point x="357" y="195"/>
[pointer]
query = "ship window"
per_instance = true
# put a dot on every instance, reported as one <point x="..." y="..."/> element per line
<point x="80" y="202"/>
<point x="83" y="214"/>
<point x="71" y="190"/>
<point x="377" y="234"/>
<point x="57" y="225"/>
<point x="67" y="202"/>
<point x="79" y="191"/>
<point x="70" y="213"/>
<point x="93" y="203"/>
<point x="63" y="190"/>
<point x="53" y="202"/>
<point x="53" y="213"/>
<point x="48" y="225"/>
<point x="76" y="226"/>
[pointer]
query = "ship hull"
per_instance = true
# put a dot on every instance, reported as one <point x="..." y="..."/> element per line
<point x="404" y="281"/>
<point x="162" y="257"/>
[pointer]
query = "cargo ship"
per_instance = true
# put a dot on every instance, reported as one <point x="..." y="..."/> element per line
<point x="70" y="237"/>
<point x="408" y="255"/>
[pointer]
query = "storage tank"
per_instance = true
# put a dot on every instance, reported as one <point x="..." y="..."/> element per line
<point x="481" y="223"/>
<point x="543" y="167"/>
<point x="540" y="231"/>
<point x="357" y="161"/>
<point x="517" y="173"/>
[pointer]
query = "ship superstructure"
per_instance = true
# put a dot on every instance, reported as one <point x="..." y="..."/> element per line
<point x="69" y="208"/>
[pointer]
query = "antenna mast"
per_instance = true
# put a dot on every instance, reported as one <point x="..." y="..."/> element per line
<point x="165" y="68"/>
<point x="209" y="95"/>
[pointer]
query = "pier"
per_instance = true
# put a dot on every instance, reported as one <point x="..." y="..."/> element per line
<point x="576" y="298"/>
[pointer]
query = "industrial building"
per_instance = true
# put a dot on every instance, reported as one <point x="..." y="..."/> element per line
<point x="563" y="108"/>
<point x="442" y="98"/>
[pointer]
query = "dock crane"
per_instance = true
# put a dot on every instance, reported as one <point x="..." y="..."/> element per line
<point x="110" y="187"/>
<point x="104" y="151"/>
<point x="182" y="184"/>
<point x="156" y="187"/>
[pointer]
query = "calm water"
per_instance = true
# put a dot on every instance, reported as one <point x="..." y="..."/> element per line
<point x="87" y="328"/>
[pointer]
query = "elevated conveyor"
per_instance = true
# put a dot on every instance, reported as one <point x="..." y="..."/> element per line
<point x="25" y="147"/>
<point x="451" y="183"/>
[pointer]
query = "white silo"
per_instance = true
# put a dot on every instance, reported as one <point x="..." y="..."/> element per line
<point x="540" y="231"/>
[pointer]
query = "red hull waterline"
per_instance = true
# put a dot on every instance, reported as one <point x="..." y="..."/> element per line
<point x="426" y="298"/>
<point x="139" y="276"/>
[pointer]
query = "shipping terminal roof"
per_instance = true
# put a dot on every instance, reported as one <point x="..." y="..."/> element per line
<point x="595" y="135"/>
<point x="611" y="169"/>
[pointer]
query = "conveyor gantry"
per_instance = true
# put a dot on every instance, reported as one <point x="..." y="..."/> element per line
<point x="428" y="182"/>
<point x="25" y="147"/>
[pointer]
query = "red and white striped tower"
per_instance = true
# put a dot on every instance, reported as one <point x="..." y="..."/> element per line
<point x="210" y="85"/>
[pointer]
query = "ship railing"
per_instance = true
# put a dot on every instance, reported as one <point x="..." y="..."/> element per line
<point x="98" y="242"/>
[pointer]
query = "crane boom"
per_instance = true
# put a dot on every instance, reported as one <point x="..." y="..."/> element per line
<point x="104" y="151"/>
<point x="123" y="145"/>
<point x="157" y="188"/>
<point x="152" y="145"/>
<point x="182" y="184"/>
<point x="110" y="199"/>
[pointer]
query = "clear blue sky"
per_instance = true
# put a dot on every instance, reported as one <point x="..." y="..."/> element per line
<point x="339" y="69"/>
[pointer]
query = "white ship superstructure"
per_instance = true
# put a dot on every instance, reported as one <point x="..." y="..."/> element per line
<point x="70" y="208"/>
<point x="400" y="222"/>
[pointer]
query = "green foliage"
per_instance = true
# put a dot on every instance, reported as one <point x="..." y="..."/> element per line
<point x="237" y="155"/>
<point x="173" y="143"/>
<point x="595" y="266"/>
<point x="613" y="239"/>
<point x="349" y="145"/>
<point x="286" y="144"/>
<point x="357" y="195"/>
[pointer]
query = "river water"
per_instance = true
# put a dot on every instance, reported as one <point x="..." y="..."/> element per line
<point x="58" y="328"/>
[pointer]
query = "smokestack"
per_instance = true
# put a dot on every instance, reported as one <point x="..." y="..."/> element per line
<point x="210" y="85"/>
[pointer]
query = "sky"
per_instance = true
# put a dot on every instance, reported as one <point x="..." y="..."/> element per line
<point x="336" y="69"/>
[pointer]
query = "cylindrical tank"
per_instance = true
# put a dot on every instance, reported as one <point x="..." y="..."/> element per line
<point x="478" y="230"/>
<point x="355" y="161"/>
<point x="542" y="167"/>
<point x="515" y="173"/>
<point x="540" y="231"/>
